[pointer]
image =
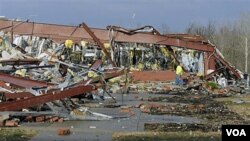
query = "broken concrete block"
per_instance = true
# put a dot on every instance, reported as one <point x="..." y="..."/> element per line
<point x="28" y="118"/>
<point x="145" y="110"/>
<point x="63" y="131"/>
<point x="40" y="119"/>
<point x="54" y="119"/>
<point x="11" y="123"/>
<point x="154" y="105"/>
<point x="125" y="109"/>
<point x="60" y="120"/>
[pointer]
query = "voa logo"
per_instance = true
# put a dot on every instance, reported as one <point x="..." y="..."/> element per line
<point x="236" y="132"/>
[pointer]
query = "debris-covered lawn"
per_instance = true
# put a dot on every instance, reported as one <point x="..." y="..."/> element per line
<point x="166" y="136"/>
<point x="239" y="104"/>
<point x="214" y="113"/>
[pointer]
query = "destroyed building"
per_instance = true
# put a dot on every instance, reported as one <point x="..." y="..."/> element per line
<point x="47" y="64"/>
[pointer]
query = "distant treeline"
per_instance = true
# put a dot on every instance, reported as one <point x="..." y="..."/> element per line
<point x="230" y="38"/>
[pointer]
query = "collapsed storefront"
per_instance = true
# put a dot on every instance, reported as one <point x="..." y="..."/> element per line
<point x="49" y="62"/>
<point x="143" y="48"/>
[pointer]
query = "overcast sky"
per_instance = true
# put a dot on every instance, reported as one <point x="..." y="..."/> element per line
<point x="176" y="14"/>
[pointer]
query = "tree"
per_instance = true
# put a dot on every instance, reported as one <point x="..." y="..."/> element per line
<point x="228" y="37"/>
<point x="206" y="31"/>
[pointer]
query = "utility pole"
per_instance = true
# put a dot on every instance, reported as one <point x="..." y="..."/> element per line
<point x="246" y="56"/>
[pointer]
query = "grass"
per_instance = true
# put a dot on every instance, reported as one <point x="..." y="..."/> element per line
<point x="212" y="85"/>
<point x="169" y="136"/>
<point x="243" y="109"/>
<point x="230" y="99"/>
<point x="16" y="134"/>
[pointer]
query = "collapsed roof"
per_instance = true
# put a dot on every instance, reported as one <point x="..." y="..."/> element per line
<point x="144" y="35"/>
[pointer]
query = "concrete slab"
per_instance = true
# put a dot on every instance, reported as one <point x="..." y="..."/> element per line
<point x="102" y="130"/>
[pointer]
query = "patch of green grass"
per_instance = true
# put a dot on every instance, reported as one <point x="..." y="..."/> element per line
<point x="16" y="134"/>
<point x="242" y="97"/>
<point x="169" y="136"/>
<point x="243" y="109"/>
<point x="212" y="85"/>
